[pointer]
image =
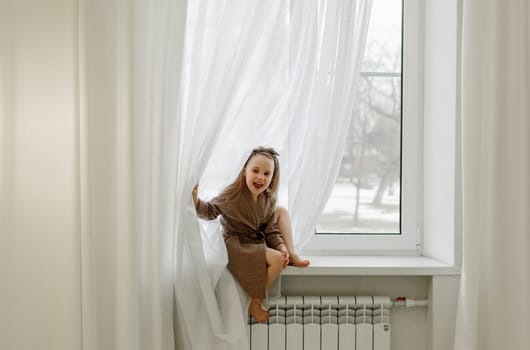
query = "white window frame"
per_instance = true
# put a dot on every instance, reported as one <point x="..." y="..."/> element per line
<point x="410" y="241"/>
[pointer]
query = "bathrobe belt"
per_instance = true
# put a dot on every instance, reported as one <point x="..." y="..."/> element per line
<point x="256" y="236"/>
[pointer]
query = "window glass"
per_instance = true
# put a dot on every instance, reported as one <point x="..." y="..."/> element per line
<point x="366" y="198"/>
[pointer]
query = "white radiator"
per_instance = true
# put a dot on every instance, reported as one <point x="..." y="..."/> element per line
<point x="324" y="323"/>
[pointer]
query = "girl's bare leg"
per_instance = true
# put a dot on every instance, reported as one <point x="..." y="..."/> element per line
<point x="285" y="227"/>
<point x="274" y="267"/>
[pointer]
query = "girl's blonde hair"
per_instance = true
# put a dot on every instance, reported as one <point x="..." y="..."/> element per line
<point x="233" y="191"/>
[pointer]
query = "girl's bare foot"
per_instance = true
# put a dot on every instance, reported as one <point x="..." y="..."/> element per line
<point x="255" y="310"/>
<point x="297" y="261"/>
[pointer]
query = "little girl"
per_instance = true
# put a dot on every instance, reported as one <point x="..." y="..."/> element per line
<point x="253" y="227"/>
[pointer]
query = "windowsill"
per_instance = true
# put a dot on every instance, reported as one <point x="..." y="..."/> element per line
<point x="372" y="266"/>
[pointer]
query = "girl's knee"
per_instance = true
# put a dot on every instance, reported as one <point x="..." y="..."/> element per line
<point x="281" y="212"/>
<point x="274" y="257"/>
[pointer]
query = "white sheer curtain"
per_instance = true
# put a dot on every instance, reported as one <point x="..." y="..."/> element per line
<point x="229" y="78"/>
<point x="255" y="71"/>
<point x="494" y="307"/>
<point x="308" y="106"/>
<point x="327" y="45"/>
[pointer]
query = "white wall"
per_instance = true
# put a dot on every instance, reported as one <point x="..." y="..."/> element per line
<point x="39" y="236"/>
<point x="441" y="113"/>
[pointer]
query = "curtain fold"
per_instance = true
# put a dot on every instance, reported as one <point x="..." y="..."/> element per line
<point x="229" y="51"/>
<point x="127" y="88"/>
<point x="109" y="261"/>
<point x="494" y="309"/>
<point x="327" y="46"/>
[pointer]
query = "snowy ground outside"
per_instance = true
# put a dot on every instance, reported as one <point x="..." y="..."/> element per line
<point x="338" y="216"/>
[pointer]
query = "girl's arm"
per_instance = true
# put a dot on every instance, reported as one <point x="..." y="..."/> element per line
<point x="274" y="239"/>
<point x="205" y="210"/>
<point x="282" y="248"/>
<point x="273" y="235"/>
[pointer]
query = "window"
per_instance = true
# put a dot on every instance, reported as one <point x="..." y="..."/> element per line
<point x="374" y="202"/>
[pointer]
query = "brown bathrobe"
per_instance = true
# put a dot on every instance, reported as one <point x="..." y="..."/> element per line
<point x="249" y="227"/>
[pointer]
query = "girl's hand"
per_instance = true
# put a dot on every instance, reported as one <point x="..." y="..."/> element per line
<point x="194" y="194"/>
<point x="285" y="253"/>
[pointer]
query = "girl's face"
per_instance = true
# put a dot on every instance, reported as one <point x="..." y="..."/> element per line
<point x="258" y="174"/>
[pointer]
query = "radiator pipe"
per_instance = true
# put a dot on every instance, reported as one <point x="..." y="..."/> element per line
<point x="405" y="302"/>
<point x="386" y="301"/>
